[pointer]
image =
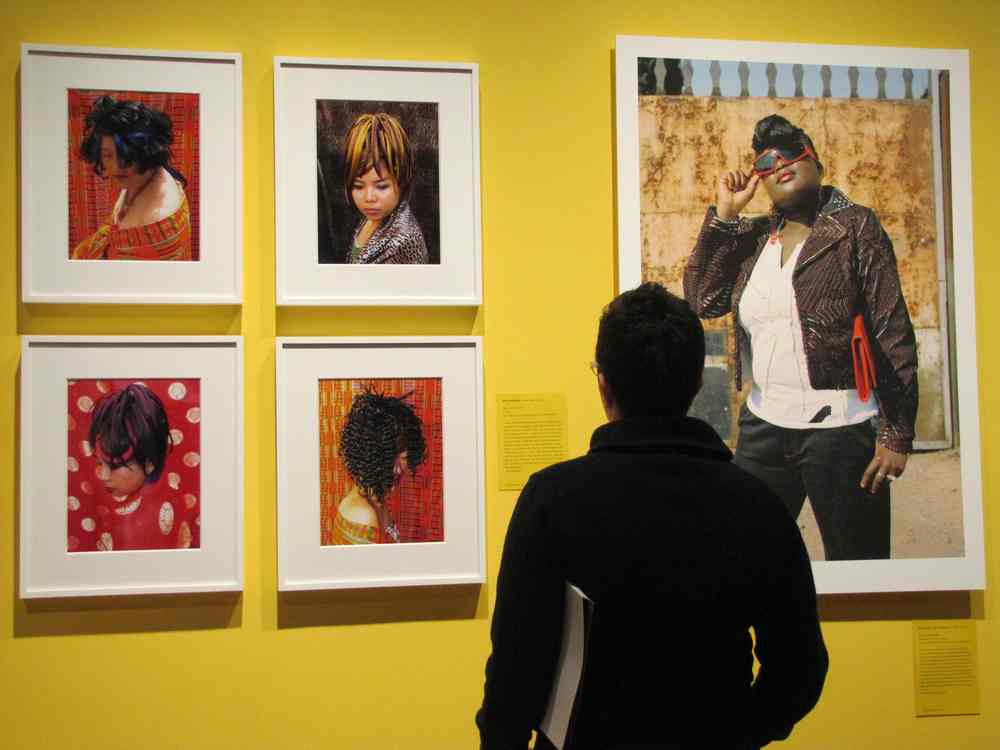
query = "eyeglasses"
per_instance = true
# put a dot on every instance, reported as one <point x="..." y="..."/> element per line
<point x="771" y="160"/>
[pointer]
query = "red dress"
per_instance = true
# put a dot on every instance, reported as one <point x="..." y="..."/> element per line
<point x="144" y="520"/>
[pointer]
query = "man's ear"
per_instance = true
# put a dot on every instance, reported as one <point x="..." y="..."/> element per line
<point x="607" y="398"/>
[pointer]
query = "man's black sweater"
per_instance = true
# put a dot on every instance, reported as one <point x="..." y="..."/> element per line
<point x="683" y="553"/>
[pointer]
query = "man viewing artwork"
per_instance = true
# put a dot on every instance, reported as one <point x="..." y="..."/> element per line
<point x="682" y="552"/>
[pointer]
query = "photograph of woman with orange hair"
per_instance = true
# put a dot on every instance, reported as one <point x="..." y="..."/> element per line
<point x="377" y="182"/>
<point x="380" y="461"/>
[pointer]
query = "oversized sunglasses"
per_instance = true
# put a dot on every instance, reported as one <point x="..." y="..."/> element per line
<point x="770" y="161"/>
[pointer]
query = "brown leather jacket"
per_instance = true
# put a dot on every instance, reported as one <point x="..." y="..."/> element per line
<point x="846" y="266"/>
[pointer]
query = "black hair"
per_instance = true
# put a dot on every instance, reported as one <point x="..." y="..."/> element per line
<point x="651" y="351"/>
<point x="132" y="419"/>
<point x="142" y="136"/>
<point x="774" y="131"/>
<point x="377" y="430"/>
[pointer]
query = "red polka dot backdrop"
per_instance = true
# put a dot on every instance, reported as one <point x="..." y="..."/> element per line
<point x="415" y="503"/>
<point x="118" y="502"/>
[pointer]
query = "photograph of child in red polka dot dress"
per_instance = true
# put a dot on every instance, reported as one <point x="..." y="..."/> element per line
<point x="133" y="467"/>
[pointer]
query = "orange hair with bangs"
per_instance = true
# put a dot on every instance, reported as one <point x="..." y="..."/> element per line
<point x="377" y="141"/>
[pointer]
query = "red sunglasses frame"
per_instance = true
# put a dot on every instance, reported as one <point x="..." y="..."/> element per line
<point x="782" y="162"/>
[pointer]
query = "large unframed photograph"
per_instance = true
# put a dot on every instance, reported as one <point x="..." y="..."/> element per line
<point x="718" y="142"/>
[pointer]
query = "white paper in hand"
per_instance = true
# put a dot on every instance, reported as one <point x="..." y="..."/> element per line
<point x="569" y="668"/>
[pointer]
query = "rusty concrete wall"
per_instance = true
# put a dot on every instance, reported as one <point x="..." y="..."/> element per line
<point x="878" y="152"/>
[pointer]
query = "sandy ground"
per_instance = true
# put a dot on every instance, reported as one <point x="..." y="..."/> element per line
<point x="926" y="510"/>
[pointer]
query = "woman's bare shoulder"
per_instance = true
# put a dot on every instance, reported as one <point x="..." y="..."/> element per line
<point x="355" y="508"/>
<point x="160" y="200"/>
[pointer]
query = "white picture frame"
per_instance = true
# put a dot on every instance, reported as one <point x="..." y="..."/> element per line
<point x="306" y="564"/>
<point x="456" y="279"/>
<point x="49" y="365"/>
<point x="48" y="275"/>
<point x="967" y="570"/>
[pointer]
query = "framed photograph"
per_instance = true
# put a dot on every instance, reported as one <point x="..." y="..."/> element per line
<point x="131" y="176"/>
<point x="390" y="150"/>
<point x="380" y="462"/>
<point x="854" y="163"/>
<point x="131" y="465"/>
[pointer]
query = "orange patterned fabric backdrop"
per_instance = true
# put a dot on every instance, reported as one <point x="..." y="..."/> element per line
<point x="91" y="198"/>
<point x="169" y="514"/>
<point x="416" y="503"/>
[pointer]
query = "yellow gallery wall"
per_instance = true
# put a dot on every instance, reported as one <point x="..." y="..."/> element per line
<point x="404" y="668"/>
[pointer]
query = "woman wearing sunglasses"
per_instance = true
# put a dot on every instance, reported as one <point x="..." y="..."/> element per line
<point x="817" y="304"/>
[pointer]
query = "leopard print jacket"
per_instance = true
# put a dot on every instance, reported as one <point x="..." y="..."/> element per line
<point x="398" y="239"/>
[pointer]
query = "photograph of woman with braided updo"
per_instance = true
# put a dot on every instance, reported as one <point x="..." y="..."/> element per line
<point x="129" y="190"/>
<point x="378" y="182"/>
<point x="818" y="306"/>
<point x="380" y="466"/>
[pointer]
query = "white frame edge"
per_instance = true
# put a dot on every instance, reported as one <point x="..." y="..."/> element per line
<point x="281" y="427"/>
<point x="285" y="299"/>
<point x="30" y="297"/>
<point x="24" y="505"/>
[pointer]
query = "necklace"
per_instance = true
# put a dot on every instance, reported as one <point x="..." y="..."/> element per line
<point x="133" y="506"/>
<point x="130" y="199"/>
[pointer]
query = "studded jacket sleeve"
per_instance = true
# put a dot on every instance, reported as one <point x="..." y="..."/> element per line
<point x="715" y="263"/>
<point x="893" y="340"/>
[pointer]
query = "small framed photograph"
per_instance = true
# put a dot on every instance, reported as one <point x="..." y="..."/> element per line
<point x="843" y="175"/>
<point x="131" y="176"/>
<point x="380" y="462"/>
<point x="377" y="182"/>
<point x="131" y="465"/>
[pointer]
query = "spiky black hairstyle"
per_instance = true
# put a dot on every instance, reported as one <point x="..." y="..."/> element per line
<point x="142" y="136"/>
<point x="774" y="131"/>
<point x="131" y="425"/>
<point x="377" y="430"/>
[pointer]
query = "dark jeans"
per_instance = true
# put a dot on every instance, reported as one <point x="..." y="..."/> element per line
<point x="825" y="465"/>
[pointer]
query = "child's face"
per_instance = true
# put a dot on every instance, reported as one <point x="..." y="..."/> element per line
<point x="120" y="478"/>
<point x="376" y="197"/>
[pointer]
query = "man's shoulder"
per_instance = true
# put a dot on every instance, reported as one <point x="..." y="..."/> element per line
<point x="559" y="473"/>
<point x="705" y="474"/>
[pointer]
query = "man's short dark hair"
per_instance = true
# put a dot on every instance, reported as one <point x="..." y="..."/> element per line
<point x="651" y="351"/>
